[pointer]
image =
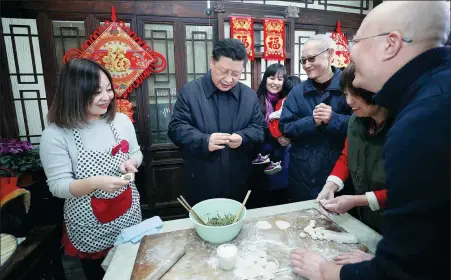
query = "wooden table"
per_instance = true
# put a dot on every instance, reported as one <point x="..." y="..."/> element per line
<point x="120" y="261"/>
<point x="37" y="257"/>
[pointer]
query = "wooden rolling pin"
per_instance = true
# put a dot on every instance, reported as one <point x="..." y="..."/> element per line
<point x="165" y="266"/>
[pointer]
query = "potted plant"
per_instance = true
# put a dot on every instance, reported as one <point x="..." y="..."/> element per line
<point x="21" y="158"/>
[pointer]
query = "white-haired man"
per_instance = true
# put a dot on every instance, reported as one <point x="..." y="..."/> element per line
<point x="315" y="117"/>
<point x="399" y="53"/>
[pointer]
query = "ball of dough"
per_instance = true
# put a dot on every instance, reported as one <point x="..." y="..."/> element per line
<point x="312" y="223"/>
<point x="302" y="235"/>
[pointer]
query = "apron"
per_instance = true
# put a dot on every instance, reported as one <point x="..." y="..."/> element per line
<point x="95" y="220"/>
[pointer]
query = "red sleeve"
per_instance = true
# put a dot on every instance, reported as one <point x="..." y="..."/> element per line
<point x="273" y="127"/>
<point x="274" y="124"/>
<point x="279" y="104"/>
<point x="341" y="166"/>
<point x="381" y="196"/>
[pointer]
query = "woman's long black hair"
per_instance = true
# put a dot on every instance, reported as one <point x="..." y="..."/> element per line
<point x="271" y="70"/>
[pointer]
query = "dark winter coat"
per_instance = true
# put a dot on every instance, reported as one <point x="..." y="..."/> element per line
<point x="201" y="109"/>
<point x="315" y="149"/>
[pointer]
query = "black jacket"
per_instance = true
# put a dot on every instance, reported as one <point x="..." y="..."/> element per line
<point x="201" y="109"/>
<point x="416" y="228"/>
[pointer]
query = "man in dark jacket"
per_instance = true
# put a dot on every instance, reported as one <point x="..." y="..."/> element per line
<point x="218" y="123"/>
<point x="398" y="53"/>
<point x="315" y="117"/>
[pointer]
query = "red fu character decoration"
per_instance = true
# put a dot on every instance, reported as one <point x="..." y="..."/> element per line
<point x="126" y="56"/>
<point x="242" y="28"/>
<point x="274" y="39"/>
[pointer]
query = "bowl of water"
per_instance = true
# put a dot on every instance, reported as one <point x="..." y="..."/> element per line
<point x="216" y="212"/>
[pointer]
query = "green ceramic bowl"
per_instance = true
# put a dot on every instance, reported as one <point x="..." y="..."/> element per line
<point x="212" y="207"/>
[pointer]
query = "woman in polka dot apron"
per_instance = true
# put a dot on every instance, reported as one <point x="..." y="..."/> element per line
<point x="85" y="150"/>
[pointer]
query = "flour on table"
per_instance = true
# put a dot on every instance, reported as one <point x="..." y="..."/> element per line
<point x="262" y="261"/>
<point x="272" y="266"/>
<point x="261" y="253"/>
<point x="241" y="273"/>
<point x="339" y="237"/>
<point x="263" y="225"/>
<point x="213" y="262"/>
<point x="269" y="276"/>
<point x="282" y="224"/>
<point x="253" y="263"/>
<point x="252" y="248"/>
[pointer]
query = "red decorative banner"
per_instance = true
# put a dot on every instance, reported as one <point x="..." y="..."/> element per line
<point x="124" y="106"/>
<point x="342" y="54"/>
<point x="274" y="39"/>
<point x="242" y="28"/>
<point x="128" y="58"/>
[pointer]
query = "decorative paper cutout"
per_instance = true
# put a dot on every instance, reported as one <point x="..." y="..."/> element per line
<point x="242" y="28"/>
<point x="128" y="58"/>
<point x="342" y="54"/>
<point x="274" y="39"/>
<point x="124" y="106"/>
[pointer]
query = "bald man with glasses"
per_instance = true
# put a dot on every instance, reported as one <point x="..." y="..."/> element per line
<point x="315" y="117"/>
<point x="399" y="53"/>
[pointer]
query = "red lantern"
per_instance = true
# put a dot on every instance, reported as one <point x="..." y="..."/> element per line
<point x="342" y="54"/>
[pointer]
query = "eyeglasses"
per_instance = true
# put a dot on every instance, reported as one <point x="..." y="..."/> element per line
<point x="312" y="58"/>
<point x="356" y="40"/>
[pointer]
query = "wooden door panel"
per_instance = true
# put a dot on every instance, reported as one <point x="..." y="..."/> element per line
<point x="166" y="185"/>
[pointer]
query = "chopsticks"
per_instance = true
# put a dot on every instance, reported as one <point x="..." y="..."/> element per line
<point x="242" y="207"/>
<point x="190" y="210"/>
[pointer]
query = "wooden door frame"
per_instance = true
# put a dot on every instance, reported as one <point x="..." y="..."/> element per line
<point x="9" y="127"/>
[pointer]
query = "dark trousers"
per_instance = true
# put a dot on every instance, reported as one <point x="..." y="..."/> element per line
<point x="93" y="269"/>
<point x="274" y="150"/>
<point x="277" y="197"/>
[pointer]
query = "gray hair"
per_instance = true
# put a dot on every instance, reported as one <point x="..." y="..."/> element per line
<point x="326" y="41"/>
